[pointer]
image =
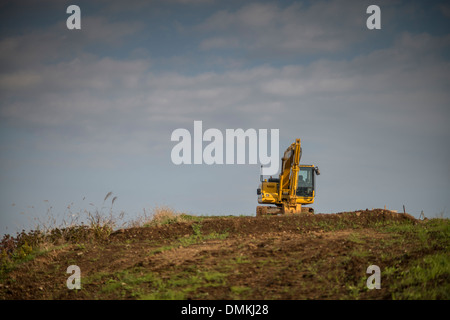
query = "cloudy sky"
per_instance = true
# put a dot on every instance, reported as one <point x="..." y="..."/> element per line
<point x="85" y="112"/>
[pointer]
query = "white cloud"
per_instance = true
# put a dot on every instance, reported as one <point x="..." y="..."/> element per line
<point x="92" y="100"/>
<point x="295" y="29"/>
<point x="55" y="43"/>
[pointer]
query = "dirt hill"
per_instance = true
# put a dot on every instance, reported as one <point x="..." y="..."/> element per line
<point x="323" y="256"/>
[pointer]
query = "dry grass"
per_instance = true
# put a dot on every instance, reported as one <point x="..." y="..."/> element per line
<point x="157" y="216"/>
<point x="162" y="215"/>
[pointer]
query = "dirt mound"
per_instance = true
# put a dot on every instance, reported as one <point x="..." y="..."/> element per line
<point x="321" y="256"/>
<point x="238" y="226"/>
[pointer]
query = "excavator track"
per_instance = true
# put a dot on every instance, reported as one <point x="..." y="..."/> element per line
<point x="273" y="211"/>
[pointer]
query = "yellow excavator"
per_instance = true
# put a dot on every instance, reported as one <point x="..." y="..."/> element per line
<point x="292" y="189"/>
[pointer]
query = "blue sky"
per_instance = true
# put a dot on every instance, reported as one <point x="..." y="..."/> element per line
<point x="85" y="112"/>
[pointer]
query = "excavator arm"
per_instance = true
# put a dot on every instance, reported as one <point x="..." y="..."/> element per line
<point x="289" y="170"/>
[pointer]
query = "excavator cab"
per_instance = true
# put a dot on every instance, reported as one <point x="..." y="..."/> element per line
<point x="306" y="180"/>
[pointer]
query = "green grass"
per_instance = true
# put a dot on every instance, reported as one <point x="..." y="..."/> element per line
<point x="240" y="292"/>
<point x="432" y="234"/>
<point x="195" y="238"/>
<point x="119" y="284"/>
<point x="183" y="284"/>
<point x="242" y="259"/>
<point x="426" y="278"/>
<point x="22" y="255"/>
<point x="355" y="238"/>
